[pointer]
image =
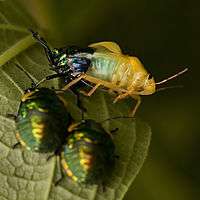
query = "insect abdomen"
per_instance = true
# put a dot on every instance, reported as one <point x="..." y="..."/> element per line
<point x="103" y="67"/>
<point x="117" y="69"/>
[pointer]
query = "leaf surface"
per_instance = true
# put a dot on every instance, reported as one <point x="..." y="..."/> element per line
<point x="26" y="175"/>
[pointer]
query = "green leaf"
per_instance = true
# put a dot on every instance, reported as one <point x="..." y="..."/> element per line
<point x="27" y="175"/>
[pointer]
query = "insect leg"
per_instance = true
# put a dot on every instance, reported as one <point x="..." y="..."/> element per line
<point x="11" y="116"/>
<point x="17" y="145"/>
<point x="91" y="91"/>
<point x="60" y="171"/>
<point x="62" y="99"/>
<point x="66" y="87"/>
<point x="56" y="153"/>
<point x="73" y="126"/>
<point x="138" y="99"/>
<point x="80" y="105"/>
<point x="114" y="130"/>
<point x="121" y="96"/>
<point x="49" y="78"/>
<point x="50" y="157"/>
<point x="106" y="84"/>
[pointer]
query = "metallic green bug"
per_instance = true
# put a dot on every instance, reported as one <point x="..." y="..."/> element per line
<point x="88" y="156"/>
<point x="42" y="120"/>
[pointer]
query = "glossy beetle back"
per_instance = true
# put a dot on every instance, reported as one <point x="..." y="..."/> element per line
<point x="42" y="121"/>
<point x="88" y="155"/>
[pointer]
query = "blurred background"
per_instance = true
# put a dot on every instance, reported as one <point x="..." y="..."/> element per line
<point x="164" y="34"/>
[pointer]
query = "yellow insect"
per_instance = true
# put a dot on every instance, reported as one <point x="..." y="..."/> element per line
<point x="117" y="72"/>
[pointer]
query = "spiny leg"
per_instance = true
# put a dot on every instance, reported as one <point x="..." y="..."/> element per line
<point x="91" y="91"/>
<point x="138" y="99"/>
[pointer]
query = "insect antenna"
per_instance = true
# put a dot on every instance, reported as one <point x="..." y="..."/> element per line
<point x="170" y="87"/>
<point x="112" y="132"/>
<point x="117" y="117"/>
<point x="172" y="77"/>
<point x="40" y="39"/>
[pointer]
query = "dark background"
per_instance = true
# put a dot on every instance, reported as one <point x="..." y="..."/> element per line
<point x="164" y="34"/>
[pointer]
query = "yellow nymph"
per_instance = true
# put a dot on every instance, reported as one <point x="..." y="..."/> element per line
<point x="117" y="72"/>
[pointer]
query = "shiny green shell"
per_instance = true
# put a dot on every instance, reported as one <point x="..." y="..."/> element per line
<point x="88" y="156"/>
<point x="42" y="120"/>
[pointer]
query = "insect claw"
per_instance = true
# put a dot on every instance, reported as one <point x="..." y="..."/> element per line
<point x="33" y="85"/>
<point x="58" y="181"/>
<point x="116" y="99"/>
<point x="31" y="30"/>
<point x="17" y="145"/>
<point x="35" y="34"/>
<point x="11" y="116"/>
<point x="103" y="187"/>
<point x="114" y="130"/>
<point x="50" y="157"/>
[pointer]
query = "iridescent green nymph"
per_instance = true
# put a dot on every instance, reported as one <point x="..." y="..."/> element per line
<point x="89" y="153"/>
<point x="42" y="120"/>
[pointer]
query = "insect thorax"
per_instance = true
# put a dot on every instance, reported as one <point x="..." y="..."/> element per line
<point x="71" y="61"/>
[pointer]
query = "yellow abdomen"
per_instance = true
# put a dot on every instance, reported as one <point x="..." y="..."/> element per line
<point x="130" y="72"/>
<point x="119" y="69"/>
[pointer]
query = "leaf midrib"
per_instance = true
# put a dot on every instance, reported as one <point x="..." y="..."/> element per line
<point x="16" y="49"/>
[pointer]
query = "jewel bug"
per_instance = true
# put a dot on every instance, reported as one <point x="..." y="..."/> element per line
<point x="42" y="120"/>
<point x="88" y="156"/>
<point x="102" y="64"/>
<point x="67" y="62"/>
